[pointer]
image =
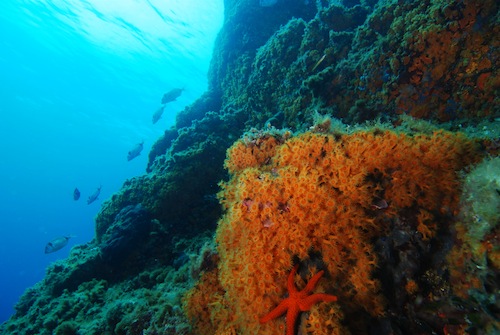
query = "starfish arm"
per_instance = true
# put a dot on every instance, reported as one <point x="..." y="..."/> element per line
<point x="291" y="318"/>
<point x="297" y="301"/>
<point x="312" y="283"/>
<point x="276" y="312"/>
<point x="291" y="281"/>
<point x="305" y="304"/>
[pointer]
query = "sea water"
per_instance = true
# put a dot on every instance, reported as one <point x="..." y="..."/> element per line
<point x="80" y="81"/>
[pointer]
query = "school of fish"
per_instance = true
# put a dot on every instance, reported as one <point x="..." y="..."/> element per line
<point x="60" y="242"/>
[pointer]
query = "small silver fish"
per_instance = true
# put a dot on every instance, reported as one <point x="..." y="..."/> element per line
<point x="94" y="196"/>
<point x="136" y="151"/>
<point x="157" y="115"/>
<point x="171" y="95"/>
<point x="57" y="244"/>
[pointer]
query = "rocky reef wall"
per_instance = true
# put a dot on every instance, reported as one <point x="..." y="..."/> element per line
<point x="278" y="72"/>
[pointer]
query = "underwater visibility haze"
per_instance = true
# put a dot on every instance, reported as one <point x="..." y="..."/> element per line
<point x="80" y="82"/>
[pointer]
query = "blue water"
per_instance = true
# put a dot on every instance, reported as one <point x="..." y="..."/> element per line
<point x="80" y="81"/>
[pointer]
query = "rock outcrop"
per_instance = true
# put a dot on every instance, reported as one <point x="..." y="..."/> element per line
<point x="324" y="66"/>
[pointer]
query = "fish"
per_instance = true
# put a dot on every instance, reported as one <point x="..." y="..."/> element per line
<point x="94" y="196"/>
<point x="136" y="151"/>
<point x="76" y="194"/>
<point x="171" y="95"/>
<point x="318" y="62"/>
<point x="157" y="115"/>
<point x="57" y="244"/>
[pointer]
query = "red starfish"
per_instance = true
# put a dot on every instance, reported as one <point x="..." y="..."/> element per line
<point x="298" y="301"/>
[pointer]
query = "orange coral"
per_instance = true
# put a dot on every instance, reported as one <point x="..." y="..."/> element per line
<point x="311" y="198"/>
<point x="411" y="286"/>
<point x="204" y="305"/>
<point x="448" y="62"/>
<point x="324" y="320"/>
<point x="254" y="153"/>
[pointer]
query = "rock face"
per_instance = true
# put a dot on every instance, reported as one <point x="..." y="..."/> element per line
<point x="276" y="67"/>
<point x="313" y="200"/>
<point x="126" y="235"/>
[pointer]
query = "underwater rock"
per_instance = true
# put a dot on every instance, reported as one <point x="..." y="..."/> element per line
<point x="161" y="146"/>
<point x="83" y="264"/>
<point x="307" y="200"/>
<point x="281" y="68"/>
<point x="129" y="230"/>
<point x="479" y="251"/>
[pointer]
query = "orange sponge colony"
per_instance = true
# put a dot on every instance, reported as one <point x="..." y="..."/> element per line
<point x="320" y="200"/>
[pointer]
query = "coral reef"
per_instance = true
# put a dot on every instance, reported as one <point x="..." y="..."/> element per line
<point x="88" y="295"/>
<point x="433" y="59"/>
<point x="475" y="260"/>
<point x="379" y="210"/>
<point x="340" y="203"/>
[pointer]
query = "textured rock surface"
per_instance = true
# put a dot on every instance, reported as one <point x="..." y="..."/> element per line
<point x="279" y="66"/>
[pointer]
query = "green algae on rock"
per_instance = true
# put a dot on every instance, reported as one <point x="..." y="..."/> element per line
<point x="355" y="61"/>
